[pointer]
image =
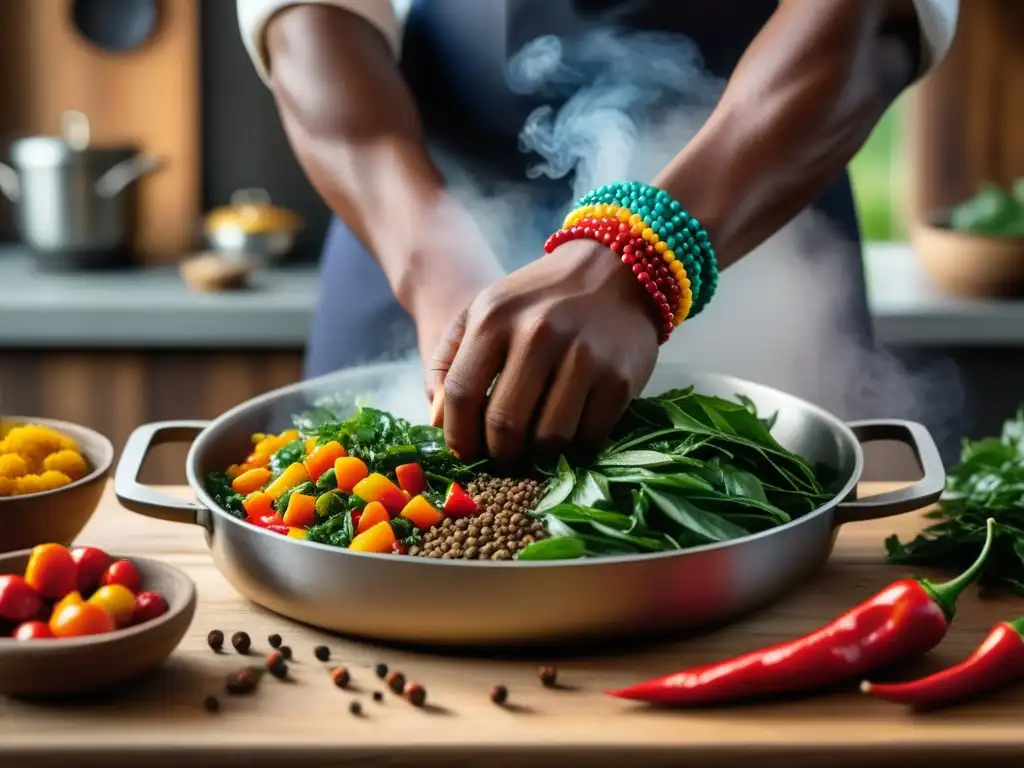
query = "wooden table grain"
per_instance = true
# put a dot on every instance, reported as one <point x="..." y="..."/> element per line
<point x="161" y="721"/>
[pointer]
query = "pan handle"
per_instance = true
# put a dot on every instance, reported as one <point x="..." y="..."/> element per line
<point x="922" y="493"/>
<point x="142" y="499"/>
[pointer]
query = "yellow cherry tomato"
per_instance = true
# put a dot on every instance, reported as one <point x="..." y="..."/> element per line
<point x="79" y="620"/>
<point x="71" y="598"/>
<point x="117" y="600"/>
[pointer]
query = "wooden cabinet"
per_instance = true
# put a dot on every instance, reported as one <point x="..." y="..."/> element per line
<point x="114" y="392"/>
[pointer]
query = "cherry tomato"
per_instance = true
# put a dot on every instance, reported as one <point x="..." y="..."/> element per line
<point x="71" y="598"/>
<point x="91" y="562"/>
<point x="122" y="572"/>
<point x="51" y="571"/>
<point x="32" y="630"/>
<point x="79" y="620"/>
<point x="117" y="601"/>
<point x="148" y="606"/>
<point x="18" y="601"/>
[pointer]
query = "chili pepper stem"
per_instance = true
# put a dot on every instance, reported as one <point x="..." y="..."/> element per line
<point x="946" y="593"/>
<point x="1017" y="625"/>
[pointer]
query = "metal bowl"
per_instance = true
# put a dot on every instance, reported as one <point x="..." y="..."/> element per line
<point x="262" y="247"/>
<point x="466" y="603"/>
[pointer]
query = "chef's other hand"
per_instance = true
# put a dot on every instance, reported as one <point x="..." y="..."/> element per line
<point x="574" y="338"/>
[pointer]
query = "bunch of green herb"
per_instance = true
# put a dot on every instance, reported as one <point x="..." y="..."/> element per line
<point x="988" y="482"/>
<point x="680" y="471"/>
<point x="992" y="211"/>
<point x="218" y="485"/>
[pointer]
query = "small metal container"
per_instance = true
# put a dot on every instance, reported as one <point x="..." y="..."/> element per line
<point x="74" y="203"/>
<point x="252" y="227"/>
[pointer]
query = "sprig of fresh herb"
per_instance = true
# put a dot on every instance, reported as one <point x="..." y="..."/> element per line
<point x="988" y="482"/>
<point x="218" y="485"/>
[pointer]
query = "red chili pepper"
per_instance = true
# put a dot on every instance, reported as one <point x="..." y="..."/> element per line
<point x="999" y="660"/>
<point x="458" y="503"/>
<point x="907" y="618"/>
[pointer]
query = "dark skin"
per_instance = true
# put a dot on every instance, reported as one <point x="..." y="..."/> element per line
<point x="572" y="333"/>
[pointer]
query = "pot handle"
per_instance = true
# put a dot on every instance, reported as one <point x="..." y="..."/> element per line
<point x="925" y="491"/>
<point x="142" y="499"/>
<point x="10" y="183"/>
<point x="116" y="179"/>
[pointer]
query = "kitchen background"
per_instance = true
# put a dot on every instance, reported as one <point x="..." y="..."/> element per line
<point x="141" y="338"/>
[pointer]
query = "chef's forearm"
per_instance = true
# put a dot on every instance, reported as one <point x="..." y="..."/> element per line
<point x="803" y="100"/>
<point x="356" y="131"/>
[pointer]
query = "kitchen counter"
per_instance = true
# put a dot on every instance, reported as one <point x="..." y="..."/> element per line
<point x="160" y="720"/>
<point x="152" y="309"/>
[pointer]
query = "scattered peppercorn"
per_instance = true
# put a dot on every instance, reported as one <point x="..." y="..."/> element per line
<point x="240" y="642"/>
<point x="548" y="676"/>
<point x="241" y="682"/>
<point x="274" y="640"/>
<point x="211" y="704"/>
<point x="355" y="708"/>
<point x="396" y="682"/>
<point x="215" y="639"/>
<point x="340" y="676"/>
<point x="378" y="696"/>
<point x="381" y="670"/>
<point x="286" y="652"/>
<point x="322" y="653"/>
<point x="416" y="694"/>
<point x="276" y="665"/>
<point x="499" y="694"/>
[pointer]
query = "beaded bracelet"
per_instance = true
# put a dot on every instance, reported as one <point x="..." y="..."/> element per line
<point x="664" y="223"/>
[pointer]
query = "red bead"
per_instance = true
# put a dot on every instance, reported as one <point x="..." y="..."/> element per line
<point x="628" y="260"/>
<point x="615" y="246"/>
<point x="651" y="287"/>
<point x="638" y="269"/>
<point x="643" y="277"/>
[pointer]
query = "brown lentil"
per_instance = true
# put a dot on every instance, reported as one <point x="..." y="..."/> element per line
<point x="322" y="653"/>
<point x="240" y="642"/>
<point x="416" y="694"/>
<point x="355" y="708"/>
<point x="274" y="640"/>
<point x="548" y="676"/>
<point x="286" y="652"/>
<point x="340" y="677"/>
<point x="396" y="682"/>
<point x="501" y="528"/>
<point x="499" y="694"/>
<point x="215" y="639"/>
<point x="211" y="704"/>
<point x="381" y="670"/>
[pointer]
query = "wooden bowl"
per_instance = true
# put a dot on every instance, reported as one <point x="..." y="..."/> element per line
<point x="964" y="264"/>
<point x="70" y="666"/>
<point x="56" y="516"/>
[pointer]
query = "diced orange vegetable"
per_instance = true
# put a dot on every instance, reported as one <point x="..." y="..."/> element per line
<point x="323" y="458"/>
<point x="422" y="513"/>
<point x="233" y="471"/>
<point x="250" y="481"/>
<point x="257" y="460"/>
<point x="292" y="476"/>
<point x="379" y="538"/>
<point x="377" y="487"/>
<point x="411" y="478"/>
<point x="296" y="533"/>
<point x="373" y="513"/>
<point x="310" y="445"/>
<point x="350" y="471"/>
<point x="300" y="512"/>
<point x="288" y="436"/>
<point x="258" y="504"/>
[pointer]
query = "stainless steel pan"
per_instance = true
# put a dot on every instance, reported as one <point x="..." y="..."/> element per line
<point x="450" y="602"/>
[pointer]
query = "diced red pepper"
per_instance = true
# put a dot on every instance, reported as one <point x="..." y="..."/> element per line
<point x="268" y="520"/>
<point x="411" y="479"/>
<point x="282" y="529"/>
<point x="458" y="503"/>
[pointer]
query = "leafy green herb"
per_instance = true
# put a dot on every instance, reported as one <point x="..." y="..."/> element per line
<point x="287" y="455"/>
<point x="992" y="211"/>
<point x="337" y="531"/>
<point x="218" y="485"/>
<point x="988" y="482"/>
<point x="328" y="481"/>
<point x="305" y="489"/>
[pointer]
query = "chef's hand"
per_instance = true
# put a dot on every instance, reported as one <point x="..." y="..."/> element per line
<point x="574" y="339"/>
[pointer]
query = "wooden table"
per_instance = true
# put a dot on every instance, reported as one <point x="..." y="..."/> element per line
<point x="160" y="720"/>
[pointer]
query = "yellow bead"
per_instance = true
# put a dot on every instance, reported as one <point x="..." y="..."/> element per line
<point x="661" y="246"/>
<point x="634" y="220"/>
<point x="647" y="234"/>
<point x="623" y="214"/>
<point x="668" y="256"/>
<point x="676" y="267"/>
<point x="612" y="209"/>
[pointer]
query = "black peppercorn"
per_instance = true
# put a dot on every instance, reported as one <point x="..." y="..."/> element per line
<point x="322" y="652"/>
<point x="416" y="694"/>
<point x="355" y="708"/>
<point x="381" y="670"/>
<point x="548" y="676"/>
<point x="240" y="642"/>
<point x="276" y="665"/>
<point x="286" y="652"/>
<point x="211" y="704"/>
<point x="396" y="682"/>
<point x="499" y="694"/>
<point x="340" y="676"/>
<point x="215" y="639"/>
<point x="241" y="682"/>
<point x="378" y="696"/>
<point x="274" y="640"/>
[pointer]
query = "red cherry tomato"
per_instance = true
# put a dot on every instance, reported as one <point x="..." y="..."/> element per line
<point x="51" y="571"/>
<point x="148" y="606"/>
<point x="32" y="630"/>
<point x="18" y="601"/>
<point x="91" y="562"/>
<point x="122" y="572"/>
<point x="80" y="619"/>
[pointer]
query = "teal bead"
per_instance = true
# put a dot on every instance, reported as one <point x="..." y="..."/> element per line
<point x="670" y="241"/>
<point x="659" y="209"/>
<point x="669" y="226"/>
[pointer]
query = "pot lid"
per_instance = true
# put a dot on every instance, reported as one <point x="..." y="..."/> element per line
<point x="252" y="212"/>
<point x="74" y="142"/>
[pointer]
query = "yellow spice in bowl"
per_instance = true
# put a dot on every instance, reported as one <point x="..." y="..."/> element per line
<point x="34" y="458"/>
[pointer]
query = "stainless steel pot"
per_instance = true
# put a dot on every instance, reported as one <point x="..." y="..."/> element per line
<point x="450" y="602"/>
<point x="75" y="203"/>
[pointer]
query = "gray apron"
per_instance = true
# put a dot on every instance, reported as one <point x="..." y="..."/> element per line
<point x="523" y="103"/>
